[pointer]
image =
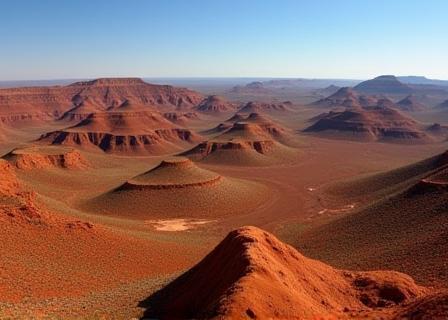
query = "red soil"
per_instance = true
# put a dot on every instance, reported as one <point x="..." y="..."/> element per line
<point x="262" y="278"/>
<point x="46" y="255"/>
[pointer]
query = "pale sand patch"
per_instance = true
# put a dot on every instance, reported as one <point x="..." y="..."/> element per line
<point x="343" y="209"/>
<point x="176" y="224"/>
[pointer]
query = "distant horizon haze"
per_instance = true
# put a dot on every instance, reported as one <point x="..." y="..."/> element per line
<point x="323" y="39"/>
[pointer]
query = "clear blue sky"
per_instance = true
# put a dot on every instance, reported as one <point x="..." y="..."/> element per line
<point x="48" y="39"/>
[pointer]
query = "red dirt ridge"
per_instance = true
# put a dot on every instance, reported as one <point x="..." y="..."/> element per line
<point x="252" y="275"/>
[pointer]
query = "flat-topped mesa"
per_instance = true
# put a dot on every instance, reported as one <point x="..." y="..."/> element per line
<point x="262" y="278"/>
<point x="386" y="84"/>
<point x="173" y="173"/>
<point x="76" y="101"/>
<point x="46" y="157"/>
<point x="159" y="141"/>
<point x="129" y="93"/>
<point x="110" y="82"/>
<point x="125" y="132"/>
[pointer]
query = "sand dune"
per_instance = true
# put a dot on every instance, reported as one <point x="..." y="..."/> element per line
<point x="262" y="278"/>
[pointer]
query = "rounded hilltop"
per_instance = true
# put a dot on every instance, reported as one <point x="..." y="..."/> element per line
<point x="176" y="172"/>
<point x="178" y="188"/>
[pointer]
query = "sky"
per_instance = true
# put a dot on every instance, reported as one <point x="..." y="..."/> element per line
<point x="356" y="39"/>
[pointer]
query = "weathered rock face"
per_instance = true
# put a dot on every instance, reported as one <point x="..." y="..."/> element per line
<point x="251" y="274"/>
<point x="159" y="141"/>
<point x="376" y="123"/>
<point x="215" y="104"/>
<point x="78" y="100"/>
<point x="46" y="157"/>
<point x="17" y="205"/>
<point x="124" y="132"/>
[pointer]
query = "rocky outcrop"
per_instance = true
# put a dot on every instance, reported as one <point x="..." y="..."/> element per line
<point x="46" y="157"/>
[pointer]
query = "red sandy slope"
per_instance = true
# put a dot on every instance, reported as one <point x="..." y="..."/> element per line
<point x="252" y="275"/>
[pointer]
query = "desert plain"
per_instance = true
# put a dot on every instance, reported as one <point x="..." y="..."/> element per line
<point x="123" y="198"/>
